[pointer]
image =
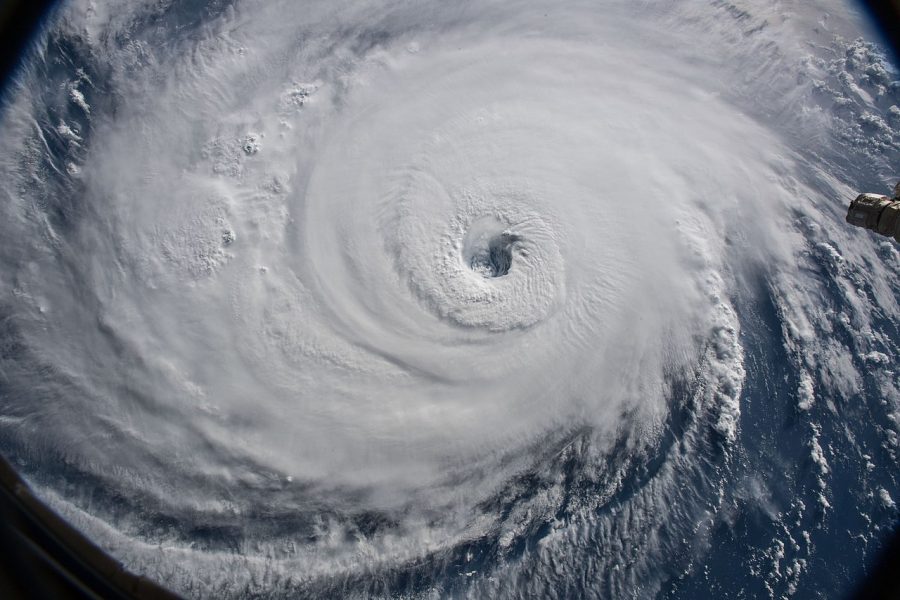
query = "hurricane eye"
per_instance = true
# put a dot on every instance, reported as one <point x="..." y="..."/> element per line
<point x="496" y="258"/>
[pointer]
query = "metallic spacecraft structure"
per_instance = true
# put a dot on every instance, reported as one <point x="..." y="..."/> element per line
<point x="877" y="212"/>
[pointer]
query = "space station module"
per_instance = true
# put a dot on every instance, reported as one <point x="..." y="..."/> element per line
<point x="878" y="213"/>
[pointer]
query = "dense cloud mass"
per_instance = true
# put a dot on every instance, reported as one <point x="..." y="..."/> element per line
<point x="468" y="299"/>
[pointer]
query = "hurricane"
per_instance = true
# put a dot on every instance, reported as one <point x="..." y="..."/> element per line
<point x="387" y="299"/>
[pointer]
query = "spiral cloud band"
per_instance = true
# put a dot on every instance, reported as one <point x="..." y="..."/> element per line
<point x="470" y="299"/>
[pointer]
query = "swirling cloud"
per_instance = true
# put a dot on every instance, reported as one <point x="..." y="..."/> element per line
<point x="350" y="288"/>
